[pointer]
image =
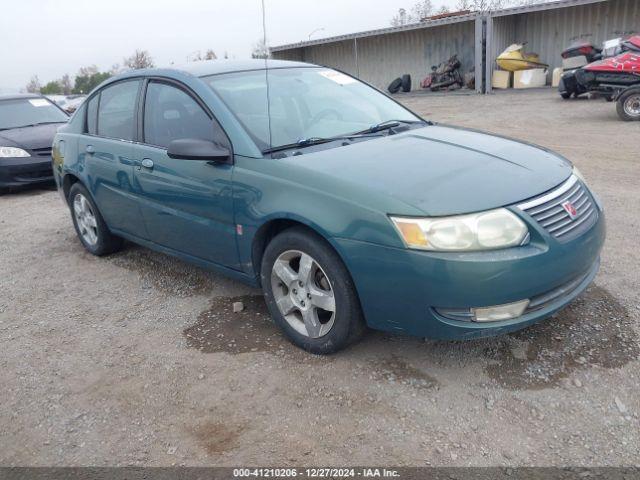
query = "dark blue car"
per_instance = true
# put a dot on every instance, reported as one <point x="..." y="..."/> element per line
<point x="28" y="123"/>
<point x="348" y="209"/>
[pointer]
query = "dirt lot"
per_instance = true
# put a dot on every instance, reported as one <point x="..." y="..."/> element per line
<point x="137" y="359"/>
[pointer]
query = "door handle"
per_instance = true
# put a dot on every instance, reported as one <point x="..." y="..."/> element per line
<point x="147" y="163"/>
<point x="90" y="150"/>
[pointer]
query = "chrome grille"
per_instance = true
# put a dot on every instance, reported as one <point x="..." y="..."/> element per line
<point x="549" y="210"/>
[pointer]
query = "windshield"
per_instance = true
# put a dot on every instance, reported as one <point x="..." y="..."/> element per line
<point x="22" y="112"/>
<point x="303" y="103"/>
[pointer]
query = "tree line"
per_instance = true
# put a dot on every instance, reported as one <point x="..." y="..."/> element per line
<point x="90" y="77"/>
<point x="425" y="8"/>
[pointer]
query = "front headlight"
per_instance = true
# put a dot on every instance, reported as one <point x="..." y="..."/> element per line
<point x="463" y="233"/>
<point x="6" y="152"/>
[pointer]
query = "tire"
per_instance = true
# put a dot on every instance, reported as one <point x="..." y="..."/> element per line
<point x="406" y="83"/>
<point x="328" y="284"/>
<point x="628" y="105"/>
<point x="567" y="86"/>
<point x="89" y="224"/>
<point x="394" y="87"/>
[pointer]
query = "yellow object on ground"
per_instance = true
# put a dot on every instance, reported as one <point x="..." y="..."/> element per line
<point x="501" y="79"/>
<point x="514" y="59"/>
<point x="533" y="78"/>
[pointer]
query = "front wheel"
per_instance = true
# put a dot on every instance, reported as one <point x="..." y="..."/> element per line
<point x="628" y="105"/>
<point x="309" y="292"/>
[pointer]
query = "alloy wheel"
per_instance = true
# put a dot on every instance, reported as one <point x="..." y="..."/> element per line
<point x="632" y="106"/>
<point x="85" y="219"/>
<point x="303" y="293"/>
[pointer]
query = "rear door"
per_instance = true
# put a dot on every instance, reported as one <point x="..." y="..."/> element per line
<point x="106" y="154"/>
<point x="187" y="204"/>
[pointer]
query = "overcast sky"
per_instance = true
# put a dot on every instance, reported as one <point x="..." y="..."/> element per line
<point x="53" y="37"/>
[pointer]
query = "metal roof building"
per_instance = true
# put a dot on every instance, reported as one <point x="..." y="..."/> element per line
<point x="379" y="56"/>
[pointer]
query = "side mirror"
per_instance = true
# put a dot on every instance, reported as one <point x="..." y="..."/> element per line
<point x="194" y="149"/>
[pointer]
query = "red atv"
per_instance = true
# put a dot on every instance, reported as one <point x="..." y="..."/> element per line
<point x="618" y="76"/>
<point x="444" y="76"/>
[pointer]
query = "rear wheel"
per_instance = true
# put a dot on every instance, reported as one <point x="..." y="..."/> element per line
<point x="89" y="224"/>
<point x="310" y="293"/>
<point x="628" y="105"/>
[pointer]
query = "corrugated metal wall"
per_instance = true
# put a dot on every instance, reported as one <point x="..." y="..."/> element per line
<point x="340" y="55"/>
<point x="294" y="54"/>
<point x="382" y="58"/>
<point x="551" y="31"/>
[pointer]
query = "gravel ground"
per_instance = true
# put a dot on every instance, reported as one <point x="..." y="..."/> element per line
<point x="138" y="359"/>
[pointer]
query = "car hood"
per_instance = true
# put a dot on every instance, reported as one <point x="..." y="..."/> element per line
<point x="437" y="170"/>
<point x="40" y="136"/>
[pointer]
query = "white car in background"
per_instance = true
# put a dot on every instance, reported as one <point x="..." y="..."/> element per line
<point x="69" y="103"/>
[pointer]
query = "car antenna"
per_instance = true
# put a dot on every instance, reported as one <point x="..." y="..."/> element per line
<point x="266" y="71"/>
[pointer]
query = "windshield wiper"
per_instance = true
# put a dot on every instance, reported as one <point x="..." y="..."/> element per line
<point x="369" y="132"/>
<point x="389" y="124"/>
<point x="30" y="125"/>
<point x="311" y="141"/>
<point x="46" y="123"/>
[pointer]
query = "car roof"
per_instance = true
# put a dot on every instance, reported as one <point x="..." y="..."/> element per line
<point x="204" y="69"/>
<point x="16" y="96"/>
<point x="214" y="67"/>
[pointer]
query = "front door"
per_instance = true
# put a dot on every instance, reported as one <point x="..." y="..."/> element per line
<point x="187" y="204"/>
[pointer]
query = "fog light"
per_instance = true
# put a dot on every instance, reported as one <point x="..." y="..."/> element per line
<point x="500" y="312"/>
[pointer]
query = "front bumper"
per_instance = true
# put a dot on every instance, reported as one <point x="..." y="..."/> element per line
<point x="400" y="289"/>
<point x="15" y="172"/>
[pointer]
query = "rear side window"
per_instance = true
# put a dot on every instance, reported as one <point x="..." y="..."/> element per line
<point x="116" y="112"/>
<point x="92" y="115"/>
<point x="171" y="114"/>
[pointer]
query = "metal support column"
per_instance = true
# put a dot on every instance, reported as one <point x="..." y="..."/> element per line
<point x="488" y="49"/>
<point x="479" y="54"/>
<point x="355" y="51"/>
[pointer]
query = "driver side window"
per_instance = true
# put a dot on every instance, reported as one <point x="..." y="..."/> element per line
<point x="171" y="114"/>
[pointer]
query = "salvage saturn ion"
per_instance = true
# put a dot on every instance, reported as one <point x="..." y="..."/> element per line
<point x="346" y="208"/>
